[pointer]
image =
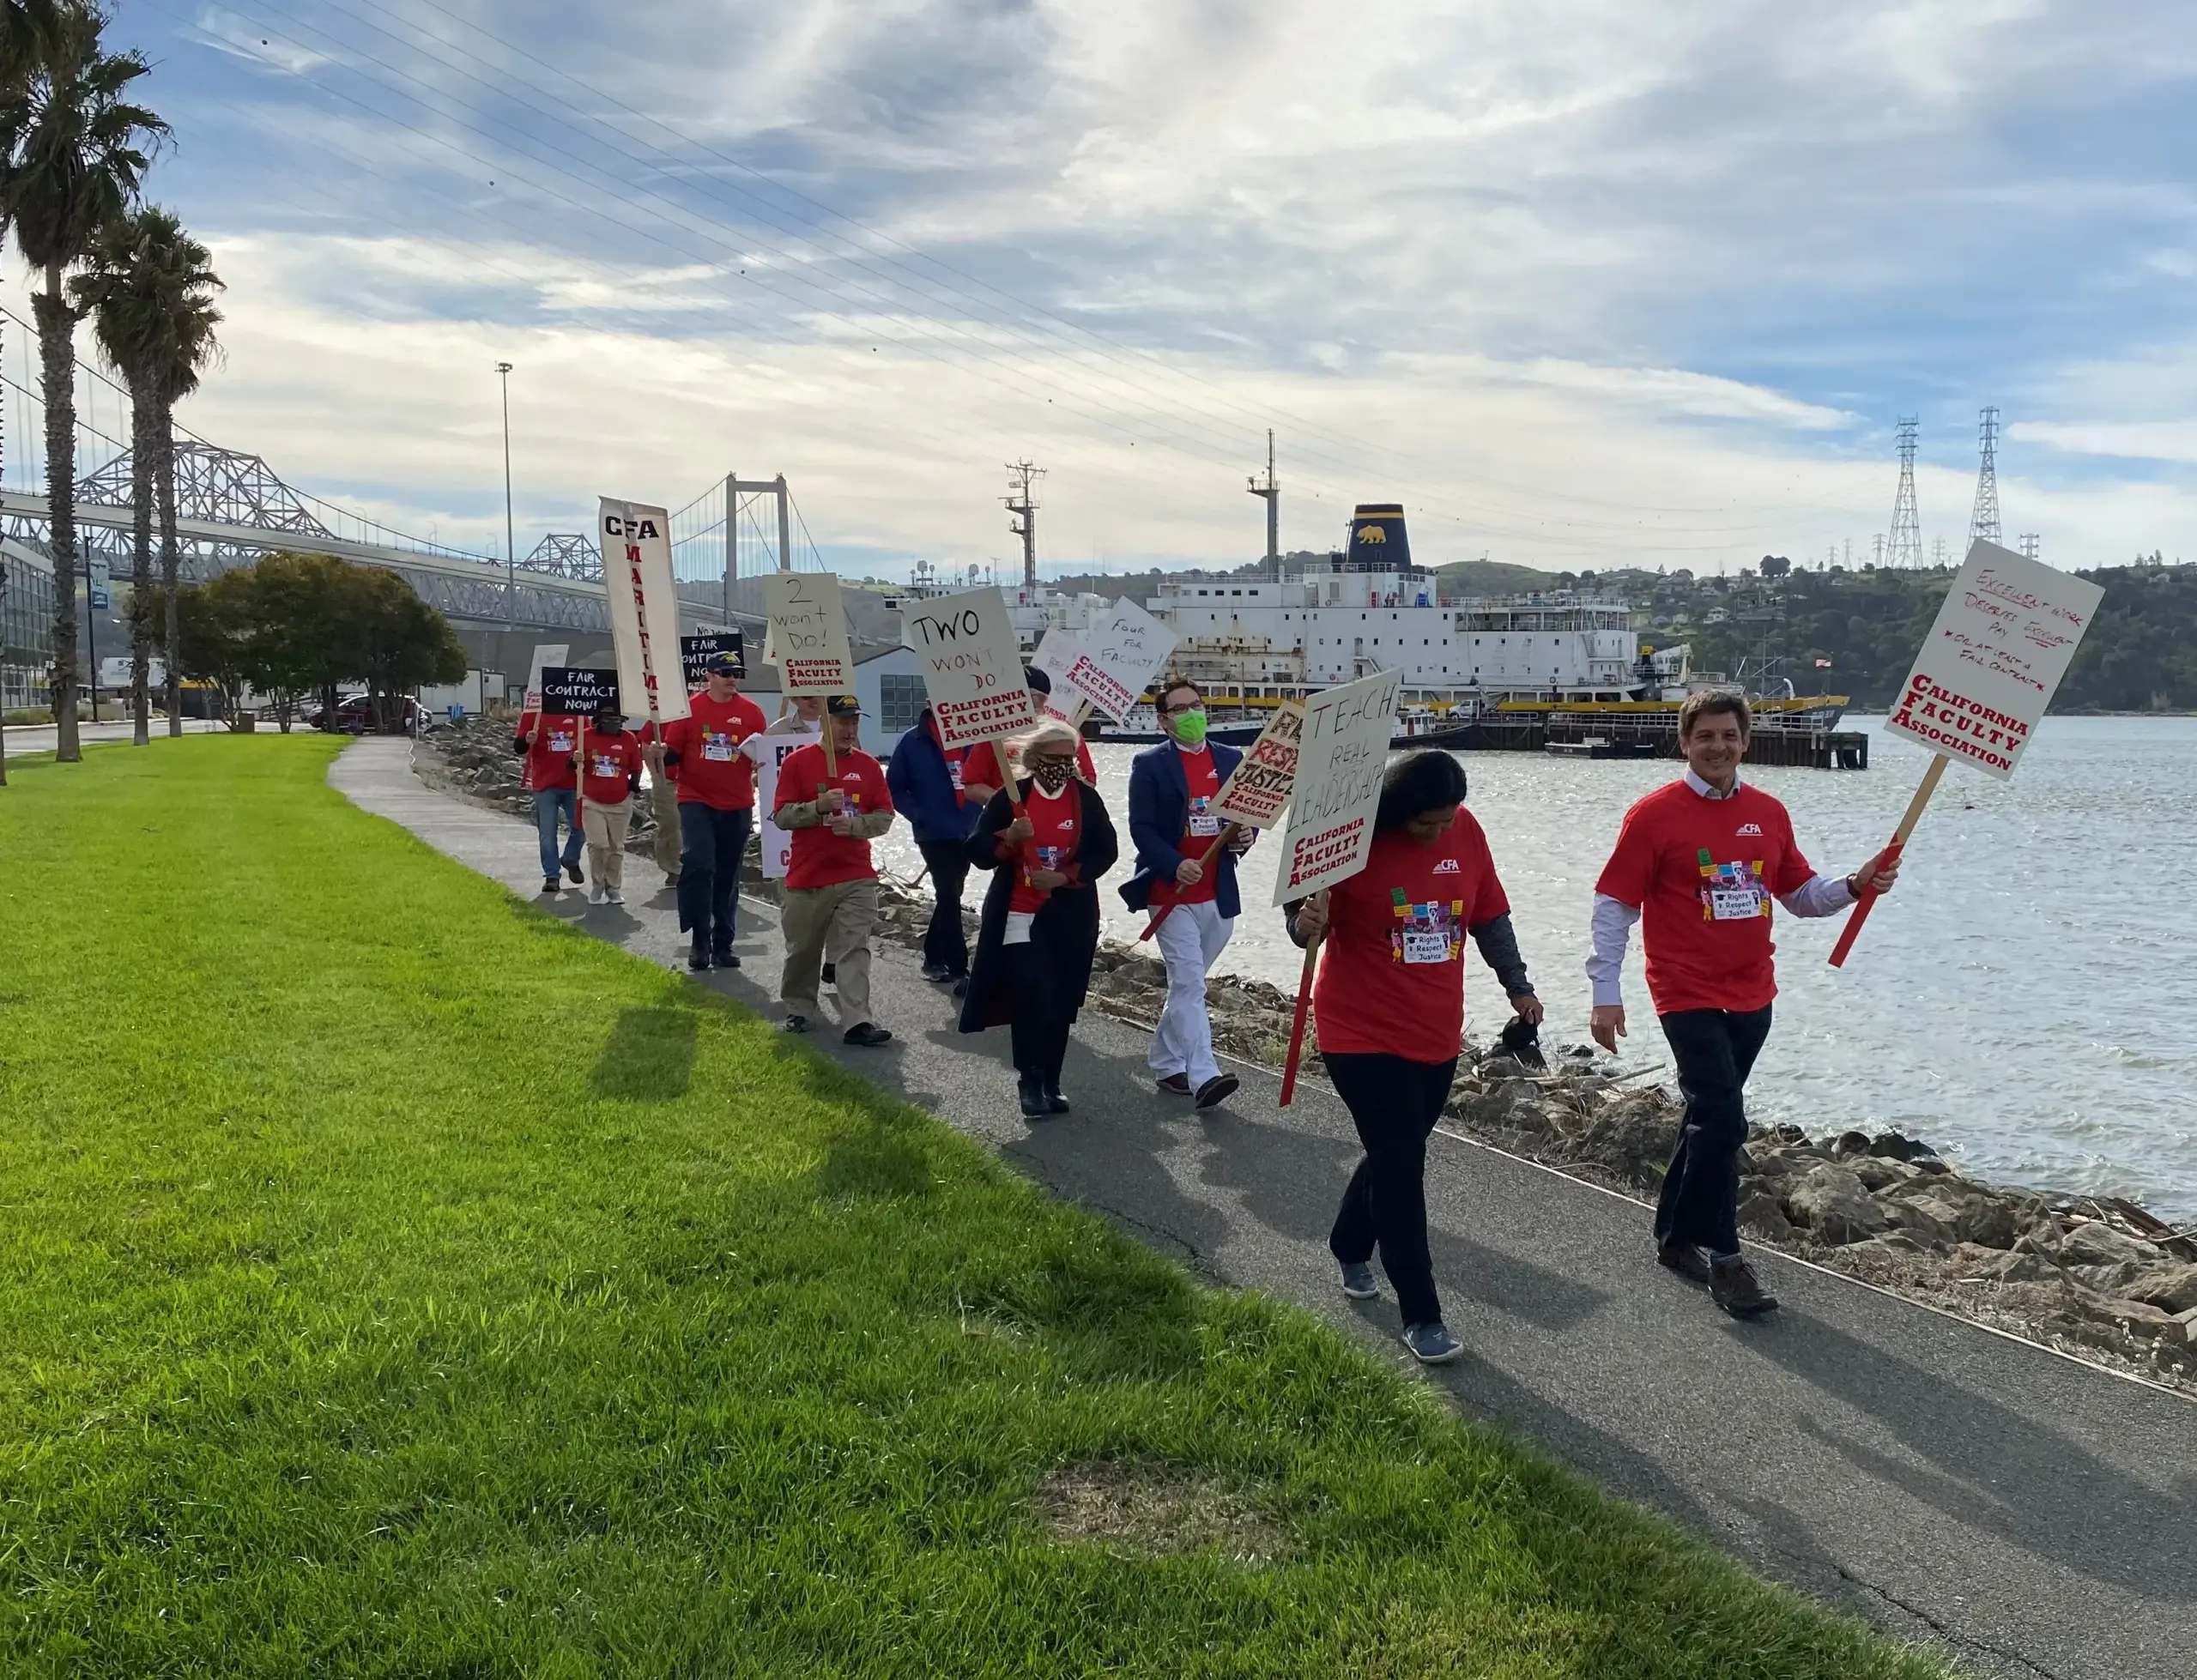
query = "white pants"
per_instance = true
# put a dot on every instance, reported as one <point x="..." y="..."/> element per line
<point x="1189" y="940"/>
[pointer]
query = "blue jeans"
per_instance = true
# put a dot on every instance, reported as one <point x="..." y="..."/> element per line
<point x="711" y="845"/>
<point x="547" y="803"/>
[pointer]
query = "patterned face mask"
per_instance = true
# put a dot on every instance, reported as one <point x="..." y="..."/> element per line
<point x="1051" y="774"/>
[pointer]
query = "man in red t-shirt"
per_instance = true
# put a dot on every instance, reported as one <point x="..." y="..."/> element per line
<point x="716" y="809"/>
<point x="833" y="809"/>
<point x="1699" y="861"/>
<point x="610" y="775"/>
<point x="548" y="740"/>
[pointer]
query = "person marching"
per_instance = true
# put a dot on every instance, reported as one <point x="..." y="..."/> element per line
<point x="831" y="900"/>
<point x="716" y="809"/>
<point x="981" y="767"/>
<point x="609" y="779"/>
<point x="548" y="740"/>
<point x="1389" y="1006"/>
<point x="925" y="777"/>
<point x="1172" y="788"/>
<point x="1698" y="861"/>
<point x="1040" y="928"/>
<point x="663" y="801"/>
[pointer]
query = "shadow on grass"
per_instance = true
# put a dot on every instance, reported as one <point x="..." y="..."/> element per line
<point x="649" y="1057"/>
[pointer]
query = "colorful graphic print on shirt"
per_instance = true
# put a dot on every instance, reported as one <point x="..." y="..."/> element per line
<point x="1433" y="932"/>
<point x="1731" y="891"/>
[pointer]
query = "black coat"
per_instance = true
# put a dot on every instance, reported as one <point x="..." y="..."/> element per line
<point x="1063" y="935"/>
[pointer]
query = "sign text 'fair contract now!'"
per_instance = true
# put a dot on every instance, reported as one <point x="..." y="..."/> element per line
<point x="972" y="666"/>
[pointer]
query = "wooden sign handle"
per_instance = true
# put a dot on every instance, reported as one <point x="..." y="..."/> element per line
<point x="1868" y="895"/>
<point x="579" y="781"/>
<point x="1225" y="838"/>
<point x="1006" y="774"/>
<point x="1296" y="1026"/>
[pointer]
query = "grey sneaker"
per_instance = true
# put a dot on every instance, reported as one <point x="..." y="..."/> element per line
<point x="1359" y="1284"/>
<point x="796" y="1024"/>
<point x="1431" y="1344"/>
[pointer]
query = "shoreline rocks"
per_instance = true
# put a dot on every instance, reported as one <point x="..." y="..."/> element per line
<point x="2098" y="1278"/>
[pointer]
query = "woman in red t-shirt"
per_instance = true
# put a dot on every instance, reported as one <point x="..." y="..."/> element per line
<point x="1040" y="926"/>
<point x="1390" y="1002"/>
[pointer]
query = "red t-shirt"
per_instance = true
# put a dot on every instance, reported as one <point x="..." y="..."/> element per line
<point x="712" y="770"/>
<point x="818" y="857"/>
<point x="1052" y="845"/>
<point x="1703" y="872"/>
<point x="612" y="760"/>
<point x="1392" y="971"/>
<point x="980" y="764"/>
<point x="549" y="754"/>
<point x="1199" y="828"/>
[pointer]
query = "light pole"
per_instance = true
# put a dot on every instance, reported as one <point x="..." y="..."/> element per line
<point x="511" y="548"/>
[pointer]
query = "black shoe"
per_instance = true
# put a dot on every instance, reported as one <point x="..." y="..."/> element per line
<point x="574" y="870"/>
<point x="549" y="887"/>
<point x="1175" y="1084"/>
<point x="1684" y="1259"/>
<point x="726" y="959"/>
<point x="1218" y="1089"/>
<point x="1734" y="1286"/>
<point x="937" y="971"/>
<point x="697" y="959"/>
<point x="796" y="1024"/>
<point x="1055" y="1102"/>
<point x="960" y="985"/>
<point x="867" y="1034"/>
<point x="1034" y="1106"/>
<point x="832" y="974"/>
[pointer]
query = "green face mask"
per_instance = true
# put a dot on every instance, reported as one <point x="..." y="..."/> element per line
<point x="1189" y="726"/>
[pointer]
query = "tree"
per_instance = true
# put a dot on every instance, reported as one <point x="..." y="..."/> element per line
<point x="149" y="292"/>
<point x="73" y="150"/>
<point x="213" y="624"/>
<point x="1776" y="565"/>
<point x="397" y="641"/>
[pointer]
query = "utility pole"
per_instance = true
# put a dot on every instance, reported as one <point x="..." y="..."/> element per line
<point x="786" y="525"/>
<point x="1271" y="493"/>
<point x="4" y="673"/>
<point x="91" y="630"/>
<point x="511" y="544"/>
<point x="1023" y="506"/>
<point x="1904" y="549"/>
<point x="1984" y="521"/>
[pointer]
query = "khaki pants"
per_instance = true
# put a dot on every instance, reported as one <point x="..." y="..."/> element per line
<point x="829" y="924"/>
<point x="605" y="826"/>
<point x="663" y="795"/>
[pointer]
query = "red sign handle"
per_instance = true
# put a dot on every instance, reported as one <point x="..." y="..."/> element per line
<point x="1296" y="1026"/>
<point x="1868" y="896"/>
<point x="1225" y="838"/>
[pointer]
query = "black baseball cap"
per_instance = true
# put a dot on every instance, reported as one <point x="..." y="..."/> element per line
<point x="722" y="665"/>
<point x="1034" y="678"/>
<point x="843" y="705"/>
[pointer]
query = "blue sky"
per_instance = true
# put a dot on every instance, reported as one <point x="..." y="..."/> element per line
<point x="1583" y="284"/>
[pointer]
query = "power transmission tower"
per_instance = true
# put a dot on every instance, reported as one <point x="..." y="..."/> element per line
<point x="1023" y="506"/>
<point x="1904" y="546"/>
<point x="1877" y="543"/>
<point x="1939" y="553"/>
<point x="1271" y="493"/>
<point x="1984" y="522"/>
<point x="2029" y="545"/>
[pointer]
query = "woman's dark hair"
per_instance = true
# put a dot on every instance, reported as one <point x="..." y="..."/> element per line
<point x="1417" y="783"/>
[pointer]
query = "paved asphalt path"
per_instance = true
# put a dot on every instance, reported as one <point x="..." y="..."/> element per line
<point x="2035" y="1516"/>
<point x="24" y="739"/>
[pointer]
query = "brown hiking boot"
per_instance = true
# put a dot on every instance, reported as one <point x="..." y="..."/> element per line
<point x="1686" y="1259"/>
<point x="1734" y="1286"/>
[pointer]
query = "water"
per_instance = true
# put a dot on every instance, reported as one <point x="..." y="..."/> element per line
<point x="2027" y="1001"/>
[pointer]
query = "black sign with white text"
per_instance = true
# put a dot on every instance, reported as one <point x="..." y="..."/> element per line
<point x="576" y="691"/>
<point x="695" y="653"/>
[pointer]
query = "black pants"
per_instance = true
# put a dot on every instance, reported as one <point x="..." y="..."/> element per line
<point x="945" y="945"/>
<point x="712" y="844"/>
<point x="1040" y="1047"/>
<point x="1395" y="1104"/>
<point x="1715" y="1049"/>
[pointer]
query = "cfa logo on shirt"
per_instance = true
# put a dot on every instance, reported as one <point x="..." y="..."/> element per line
<point x="1447" y="866"/>
<point x="1750" y="831"/>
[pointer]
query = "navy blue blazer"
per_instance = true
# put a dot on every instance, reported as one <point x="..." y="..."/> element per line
<point x="1159" y="810"/>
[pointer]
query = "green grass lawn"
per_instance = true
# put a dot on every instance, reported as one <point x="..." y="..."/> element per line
<point x="395" y="1282"/>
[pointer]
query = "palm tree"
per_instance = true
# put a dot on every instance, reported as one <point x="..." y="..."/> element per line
<point x="73" y="150"/>
<point x="149" y="292"/>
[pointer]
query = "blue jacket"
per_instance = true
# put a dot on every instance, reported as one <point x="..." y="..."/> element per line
<point x="1159" y="810"/>
<point x="922" y="789"/>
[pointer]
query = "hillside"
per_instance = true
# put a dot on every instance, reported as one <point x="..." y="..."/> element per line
<point x="1495" y="578"/>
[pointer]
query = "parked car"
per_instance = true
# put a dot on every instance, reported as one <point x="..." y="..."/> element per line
<point x="354" y="715"/>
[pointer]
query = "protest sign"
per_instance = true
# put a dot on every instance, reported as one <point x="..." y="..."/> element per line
<point x="545" y="654"/>
<point x="772" y="752"/>
<point x="808" y="633"/>
<point x="636" y="546"/>
<point x="1985" y="675"/>
<point x="695" y="653"/>
<point x="972" y="666"/>
<point x="1342" y="753"/>
<point x="1111" y="663"/>
<point x="577" y="689"/>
